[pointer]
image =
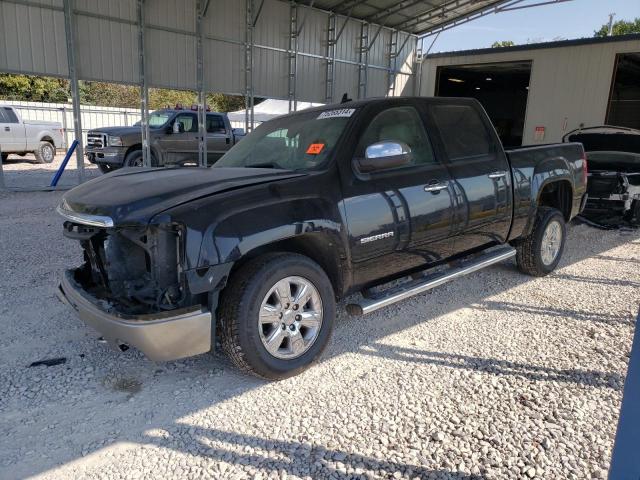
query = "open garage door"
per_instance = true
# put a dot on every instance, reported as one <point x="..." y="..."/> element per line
<point x="502" y="88"/>
<point x="624" y="101"/>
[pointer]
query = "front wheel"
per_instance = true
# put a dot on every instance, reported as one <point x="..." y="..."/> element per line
<point x="277" y="315"/>
<point x="106" y="168"/>
<point x="540" y="252"/>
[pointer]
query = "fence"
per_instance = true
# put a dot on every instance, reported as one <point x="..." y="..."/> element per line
<point x="92" y="116"/>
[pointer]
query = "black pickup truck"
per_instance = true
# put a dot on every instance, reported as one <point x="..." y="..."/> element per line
<point x="310" y="208"/>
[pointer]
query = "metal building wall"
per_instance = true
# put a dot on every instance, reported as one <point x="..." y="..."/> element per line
<point x="569" y="85"/>
<point x="32" y="40"/>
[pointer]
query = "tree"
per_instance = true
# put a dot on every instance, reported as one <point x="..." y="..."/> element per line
<point x="503" y="43"/>
<point x="33" y="88"/>
<point x="225" y="103"/>
<point x="621" y="27"/>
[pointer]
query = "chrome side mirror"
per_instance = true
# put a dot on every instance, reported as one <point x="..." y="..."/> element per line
<point x="385" y="155"/>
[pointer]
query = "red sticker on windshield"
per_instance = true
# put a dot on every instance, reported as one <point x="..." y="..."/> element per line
<point x="315" y="148"/>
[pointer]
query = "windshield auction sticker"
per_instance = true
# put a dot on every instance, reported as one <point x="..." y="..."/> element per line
<point x="342" y="112"/>
<point x="315" y="148"/>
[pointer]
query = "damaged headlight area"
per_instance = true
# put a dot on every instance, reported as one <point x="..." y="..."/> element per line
<point x="613" y="189"/>
<point x="134" y="270"/>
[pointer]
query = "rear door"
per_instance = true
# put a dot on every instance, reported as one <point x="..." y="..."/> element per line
<point x="218" y="138"/>
<point x="12" y="134"/>
<point x="480" y="172"/>
<point x="401" y="218"/>
<point x="183" y="146"/>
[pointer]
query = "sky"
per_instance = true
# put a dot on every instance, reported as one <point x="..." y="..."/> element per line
<point x="572" y="19"/>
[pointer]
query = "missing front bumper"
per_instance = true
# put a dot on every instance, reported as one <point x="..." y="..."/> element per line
<point x="161" y="337"/>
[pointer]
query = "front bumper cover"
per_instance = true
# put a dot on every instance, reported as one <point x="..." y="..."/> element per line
<point x="163" y="336"/>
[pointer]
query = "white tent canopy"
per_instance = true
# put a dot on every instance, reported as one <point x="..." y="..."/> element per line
<point x="266" y="110"/>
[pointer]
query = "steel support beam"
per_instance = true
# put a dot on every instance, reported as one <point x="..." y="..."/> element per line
<point x="393" y="63"/>
<point x="248" y="66"/>
<point x="293" y="55"/>
<point x="363" y="60"/>
<point x="202" y="6"/>
<point x="144" y="87"/>
<point x="330" y="73"/>
<point x="69" y="30"/>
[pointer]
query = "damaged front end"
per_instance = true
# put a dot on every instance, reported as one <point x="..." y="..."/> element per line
<point x="613" y="182"/>
<point x="137" y="270"/>
<point x="132" y="287"/>
<point x="614" y="189"/>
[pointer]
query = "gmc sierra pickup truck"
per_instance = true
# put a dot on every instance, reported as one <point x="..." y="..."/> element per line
<point x="309" y="208"/>
<point x="28" y="136"/>
<point x="173" y="138"/>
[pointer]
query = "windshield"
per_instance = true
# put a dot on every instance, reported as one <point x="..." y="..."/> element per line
<point x="157" y="119"/>
<point x="296" y="142"/>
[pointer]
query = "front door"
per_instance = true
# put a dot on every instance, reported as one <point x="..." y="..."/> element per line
<point x="400" y="218"/>
<point x="181" y="146"/>
<point x="12" y="133"/>
<point x="481" y="173"/>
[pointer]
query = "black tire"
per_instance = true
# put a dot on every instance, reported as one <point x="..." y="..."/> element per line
<point x="133" y="159"/>
<point x="529" y="255"/>
<point x="239" y="308"/>
<point x="105" y="168"/>
<point x="45" y="153"/>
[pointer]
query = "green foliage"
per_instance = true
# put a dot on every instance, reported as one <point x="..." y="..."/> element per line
<point x="109" y="94"/>
<point x="621" y="27"/>
<point x="33" y="88"/>
<point x="44" y="89"/>
<point x="503" y="43"/>
<point x="220" y="102"/>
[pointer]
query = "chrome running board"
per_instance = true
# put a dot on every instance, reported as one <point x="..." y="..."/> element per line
<point x="427" y="282"/>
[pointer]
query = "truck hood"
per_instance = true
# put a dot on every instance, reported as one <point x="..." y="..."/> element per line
<point x="132" y="196"/>
<point x="118" y="131"/>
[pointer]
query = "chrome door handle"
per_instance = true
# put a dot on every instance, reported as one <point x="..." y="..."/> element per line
<point x="434" y="186"/>
<point x="498" y="174"/>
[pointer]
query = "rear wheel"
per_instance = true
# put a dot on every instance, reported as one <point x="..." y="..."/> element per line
<point x="277" y="315"/>
<point x="540" y="252"/>
<point x="45" y="153"/>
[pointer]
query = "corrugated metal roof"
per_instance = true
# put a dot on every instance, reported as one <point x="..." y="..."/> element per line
<point x="539" y="46"/>
<point x="413" y="16"/>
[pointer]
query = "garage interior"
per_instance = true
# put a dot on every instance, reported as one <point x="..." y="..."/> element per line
<point x="624" y="102"/>
<point x="502" y="88"/>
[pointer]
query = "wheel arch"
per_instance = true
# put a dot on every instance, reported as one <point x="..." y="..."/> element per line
<point x="317" y="246"/>
<point x="556" y="193"/>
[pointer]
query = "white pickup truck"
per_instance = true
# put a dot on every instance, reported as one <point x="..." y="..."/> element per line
<point x="25" y="136"/>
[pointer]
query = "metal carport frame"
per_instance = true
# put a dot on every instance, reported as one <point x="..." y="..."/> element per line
<point x="309" y="50"/>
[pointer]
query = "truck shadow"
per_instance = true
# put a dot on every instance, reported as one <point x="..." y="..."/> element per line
<point x="156" y="405"/>
<point x="494" y="366"/>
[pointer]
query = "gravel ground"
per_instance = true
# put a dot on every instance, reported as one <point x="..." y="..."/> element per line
<point x="497" y="375"/>
<point x="26" y="173"/>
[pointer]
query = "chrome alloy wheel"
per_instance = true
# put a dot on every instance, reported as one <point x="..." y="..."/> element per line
<point x="551" y="242"/>
<point x="290" y="318"/>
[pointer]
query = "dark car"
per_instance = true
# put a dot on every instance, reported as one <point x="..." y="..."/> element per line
<point x="173" y="140"/>
<point x="309" y="208"/>
<point x="613" y="185"/>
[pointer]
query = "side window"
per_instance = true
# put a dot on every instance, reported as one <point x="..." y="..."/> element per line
<point x="190" y="122"/>
<point x="462" y="130"/>
<point x="3" y="116"/>
<point x="10" y="116"/>
<point x="215" y="124"/>
<point x="399" y="124"/>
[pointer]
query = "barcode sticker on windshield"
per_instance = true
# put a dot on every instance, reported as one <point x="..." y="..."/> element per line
<point x="342" y="112"/>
